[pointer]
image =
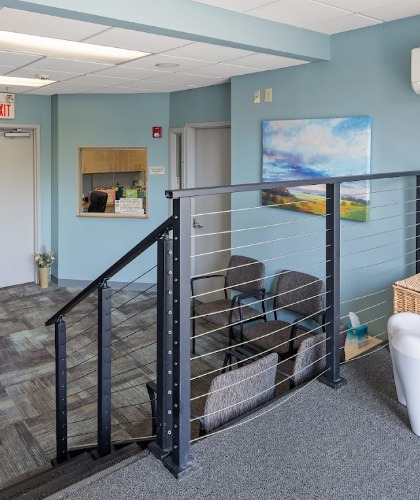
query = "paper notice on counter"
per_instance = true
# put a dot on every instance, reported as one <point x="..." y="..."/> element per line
<point x="129" y="206"/>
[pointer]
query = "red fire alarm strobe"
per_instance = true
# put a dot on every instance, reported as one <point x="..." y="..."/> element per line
<point x="157" y="132"/>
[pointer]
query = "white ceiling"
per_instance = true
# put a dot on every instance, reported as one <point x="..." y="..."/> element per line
<point x="200" y="64"/>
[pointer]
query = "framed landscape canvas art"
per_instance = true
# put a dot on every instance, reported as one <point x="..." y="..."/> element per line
<point x="317" y="148"/>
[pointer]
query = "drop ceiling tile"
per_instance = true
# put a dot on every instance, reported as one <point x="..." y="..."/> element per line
<point x="101" y="81"/>
<point x="149" y="62"/>
<point x="5" y="69"/>
<point x="152" y="86"/>
<point x="207" y="52"/>
<point x="54" y="64"/>
<point x="222" y="70"/>
<point x="68" y="88"/>
<point x="32" y="23"/>
<point x="114" y="90"/>
<point x="265" y="62"/>
<point x="186" y="79"/>
<point x="241" y="6"/>
<point x="346" y="23"/>
<point x="395" y="11"/>
<point x="137" y="40"/>
<point x="29" y="72"/>
<point x="297" y="12"/>
<point x="131" y="73"/>
<point x="16" y="60"/>
<point x="357" y="6"/>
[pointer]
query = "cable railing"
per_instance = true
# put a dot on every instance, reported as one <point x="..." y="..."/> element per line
<point x="105" y="356"/>
<point x="250" y="302"/>
<point x="353" y="260"/>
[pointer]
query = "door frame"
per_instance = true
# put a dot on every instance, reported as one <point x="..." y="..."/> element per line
<point x="188" y="150"/>
<point x="35" y="129"/>
<point x="188" y="137"/>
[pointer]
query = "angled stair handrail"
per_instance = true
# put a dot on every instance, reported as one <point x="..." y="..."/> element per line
<point x="114" y="269"/>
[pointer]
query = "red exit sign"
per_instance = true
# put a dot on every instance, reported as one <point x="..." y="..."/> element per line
<point x="7" y="106"/>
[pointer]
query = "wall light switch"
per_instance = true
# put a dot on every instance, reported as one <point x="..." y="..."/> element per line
<point x="268" y="95"/>
<point x="257" y="96"/>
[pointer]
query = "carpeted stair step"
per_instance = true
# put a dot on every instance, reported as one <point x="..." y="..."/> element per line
<point x="47" y="481"/>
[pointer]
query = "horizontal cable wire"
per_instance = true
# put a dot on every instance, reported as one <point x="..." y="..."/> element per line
<point x="135" y="350"/>
<point x="260" y="353"/>
<point x="140" y="403"/>
<point x="365" y="296"/>
<point x="133" y="281"/>
<point x="264" y="261"/>
<point x="386" y="245"/>
<point x="382" y="262"/>
<point x="382" y="218"/>
<point x="133" y="369"/>
<point x="142" y="329"/>
<point x="255" y="228"/>
<point x="246" y="209"/>
<point x="382" y="272"/>
<point x="259" y="301"/>
<point x="256" y="374"/>
<point x="259" y="314"/>
<point x="261" y="413"/>
<point x="284" y="400"/>
<point x="371" y="235"/>
<point x="276" y="240"/>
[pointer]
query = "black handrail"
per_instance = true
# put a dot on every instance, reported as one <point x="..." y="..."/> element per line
<point x="114" y="269"/>
<point x="259" y="186"/>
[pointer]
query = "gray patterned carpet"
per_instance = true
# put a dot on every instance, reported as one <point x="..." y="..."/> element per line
<point x="320" y="444"/>
<point x="27" y="386"/>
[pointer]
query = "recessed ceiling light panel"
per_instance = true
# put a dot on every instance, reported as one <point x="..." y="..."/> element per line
<point x="23" y="82"/>
<point x="65" y="49"/>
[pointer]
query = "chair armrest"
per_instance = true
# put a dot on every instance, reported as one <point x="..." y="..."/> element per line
<point x="248" y="295"/>
<point x="193" y="280"/>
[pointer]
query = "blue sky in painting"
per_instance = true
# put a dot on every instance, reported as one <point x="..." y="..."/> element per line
<point x="326" y="147"/>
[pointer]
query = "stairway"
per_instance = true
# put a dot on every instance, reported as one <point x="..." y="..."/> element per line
<point x="48" y="480"/>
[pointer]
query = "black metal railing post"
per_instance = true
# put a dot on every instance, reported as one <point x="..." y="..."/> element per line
<point x="60" y="390"/>
<point x="332" y="300"/>
<point x="417" y="224"/>
<point x="179" y="462"/>
<point x="164" y="364"/>
<point x="104" y="369"/>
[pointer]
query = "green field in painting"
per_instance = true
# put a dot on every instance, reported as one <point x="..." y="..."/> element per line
<point x="315" y="204"/>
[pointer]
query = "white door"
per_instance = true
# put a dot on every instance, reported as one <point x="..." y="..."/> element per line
<point x="17" y="209"/>
<point x="212" y="168"/>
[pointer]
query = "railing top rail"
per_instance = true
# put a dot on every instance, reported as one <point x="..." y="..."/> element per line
<point x="189" y="193"/>
<point x="115" y="268"/>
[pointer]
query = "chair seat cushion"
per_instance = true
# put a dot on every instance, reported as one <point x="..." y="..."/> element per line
<point x="270" y="336"/>
<point x="218" y="312"/>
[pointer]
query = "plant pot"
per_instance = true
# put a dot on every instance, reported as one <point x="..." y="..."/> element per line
<point x="44" y="276"/>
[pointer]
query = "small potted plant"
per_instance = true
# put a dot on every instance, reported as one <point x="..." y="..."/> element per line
<point x="44" y="261"/>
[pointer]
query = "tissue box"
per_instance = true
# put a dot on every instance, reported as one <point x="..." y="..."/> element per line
<point x="357" y="336"/>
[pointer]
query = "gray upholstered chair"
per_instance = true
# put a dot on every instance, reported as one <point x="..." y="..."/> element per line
<point x="244" y="279"/>
<point x="299" y="294"/>
<point x="310" y="359"/>
<point x="231" y="394"/>
<point x="239" y="391"/>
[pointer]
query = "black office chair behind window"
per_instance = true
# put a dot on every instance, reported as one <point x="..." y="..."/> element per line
<point x="98" y="201"/>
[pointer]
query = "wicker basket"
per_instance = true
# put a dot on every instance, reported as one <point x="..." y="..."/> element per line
<point x="407" y="295"/>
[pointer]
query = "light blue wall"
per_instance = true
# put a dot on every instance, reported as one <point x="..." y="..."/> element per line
<point x="208" y="104"/>
<point x="36" y="110"/>
<point x="87" y="246"/>
<point x="369" y="74"/>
